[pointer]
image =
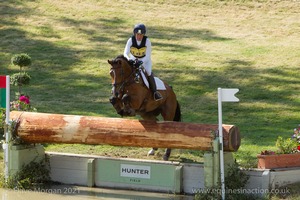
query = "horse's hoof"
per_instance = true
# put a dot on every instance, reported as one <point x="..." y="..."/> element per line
<point x="151" y="152"/>
<point x="166" y="158"/>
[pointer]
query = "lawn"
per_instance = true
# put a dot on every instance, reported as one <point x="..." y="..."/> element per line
<point x="198" y="46"/>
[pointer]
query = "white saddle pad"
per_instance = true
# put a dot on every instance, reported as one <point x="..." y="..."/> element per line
<point x="159" y="84"/>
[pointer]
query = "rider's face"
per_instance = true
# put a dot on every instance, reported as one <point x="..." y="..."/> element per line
<point x="139" y="36"/>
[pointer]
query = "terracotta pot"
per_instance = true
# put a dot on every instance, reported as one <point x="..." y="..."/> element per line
<point x="278" y="161"/>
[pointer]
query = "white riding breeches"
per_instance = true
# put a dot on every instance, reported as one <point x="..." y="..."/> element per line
<point x="148" y="67"/>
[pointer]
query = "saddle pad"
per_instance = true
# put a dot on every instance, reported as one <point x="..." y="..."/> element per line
<point x="159" y="84"/>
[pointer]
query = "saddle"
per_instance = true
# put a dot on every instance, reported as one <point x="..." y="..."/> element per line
<point x="159" y="83"/>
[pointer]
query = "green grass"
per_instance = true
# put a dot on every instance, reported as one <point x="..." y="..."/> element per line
<point x="198" y="46"/>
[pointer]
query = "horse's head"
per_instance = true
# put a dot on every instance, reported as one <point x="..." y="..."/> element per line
<point x="121" y="73"/>
<point x="120" y="69"/>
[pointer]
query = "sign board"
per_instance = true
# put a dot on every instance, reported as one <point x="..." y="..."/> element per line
<point x="135" y="171"/>
<point x="138" y="175"/>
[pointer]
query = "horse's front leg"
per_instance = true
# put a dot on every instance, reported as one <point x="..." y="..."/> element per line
<point x="128" y="110"/>
<point x="117" y="104"/>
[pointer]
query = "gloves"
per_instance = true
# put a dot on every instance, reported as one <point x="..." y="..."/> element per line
<point x="138" y="63"/>
<point x="131" y="62"/>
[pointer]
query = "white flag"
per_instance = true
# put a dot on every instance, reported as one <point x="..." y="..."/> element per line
<point x="227" y="95"/>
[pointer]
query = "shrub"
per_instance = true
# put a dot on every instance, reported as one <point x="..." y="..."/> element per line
<point x="21" y="60"/>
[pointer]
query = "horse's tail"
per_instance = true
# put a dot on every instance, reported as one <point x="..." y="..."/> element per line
<point x="177" y="116"/>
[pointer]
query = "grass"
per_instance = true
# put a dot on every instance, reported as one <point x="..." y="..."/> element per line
<point x="198" y="46"/>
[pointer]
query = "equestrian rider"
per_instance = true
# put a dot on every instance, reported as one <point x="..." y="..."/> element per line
<point x="138" y="47"/>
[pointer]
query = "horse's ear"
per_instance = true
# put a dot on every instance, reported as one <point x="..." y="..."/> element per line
<point x="109" y="61"/>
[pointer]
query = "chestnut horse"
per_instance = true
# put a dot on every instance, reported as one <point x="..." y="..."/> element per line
<point x="130" y="96"/>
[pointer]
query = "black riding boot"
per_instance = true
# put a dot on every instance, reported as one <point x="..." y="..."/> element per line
<point x="156" y="94"/>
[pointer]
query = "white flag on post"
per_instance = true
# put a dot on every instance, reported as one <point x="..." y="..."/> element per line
<point x="228" y="95"/>
<point x="224" y="95"/>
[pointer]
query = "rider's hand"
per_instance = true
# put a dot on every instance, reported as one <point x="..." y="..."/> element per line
<point x="131" y="62"/>
<point x="138" y="63"/>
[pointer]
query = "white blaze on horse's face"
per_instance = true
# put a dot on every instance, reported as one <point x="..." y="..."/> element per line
<point x="114" y="71"/>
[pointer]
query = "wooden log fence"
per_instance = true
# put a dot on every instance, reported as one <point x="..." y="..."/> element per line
<point x="72" y="129"/>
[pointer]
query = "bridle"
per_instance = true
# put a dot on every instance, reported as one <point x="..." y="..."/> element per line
<point x="125" y="81"/>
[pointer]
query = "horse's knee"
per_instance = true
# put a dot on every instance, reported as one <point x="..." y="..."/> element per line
<point x="117" y="105"/>
<point x="113" y="100"/>
<point x="126" y="99"/>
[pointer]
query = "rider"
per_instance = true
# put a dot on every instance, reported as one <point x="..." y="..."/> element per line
<point x="138" y="47"/>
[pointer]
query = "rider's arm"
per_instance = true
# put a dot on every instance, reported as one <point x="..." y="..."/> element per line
<point x="127" y="53"/>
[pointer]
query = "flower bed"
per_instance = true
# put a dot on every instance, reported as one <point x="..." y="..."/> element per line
<point x="287" y="155"/>
<point x="278" y="161"/>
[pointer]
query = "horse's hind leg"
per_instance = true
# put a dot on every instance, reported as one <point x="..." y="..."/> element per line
<point x="169" y="113"/>
<point x="152" y="152"/>
<point x="152" y="117"/>
<point x="167" y="154"/>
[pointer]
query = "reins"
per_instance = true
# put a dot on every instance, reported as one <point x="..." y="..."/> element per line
<point x="124" y="81"/>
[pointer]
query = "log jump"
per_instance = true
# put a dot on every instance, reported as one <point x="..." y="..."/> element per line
<point x="72" y="129"/>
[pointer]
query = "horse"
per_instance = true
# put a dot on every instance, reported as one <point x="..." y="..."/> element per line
<point x="131" y="96"/>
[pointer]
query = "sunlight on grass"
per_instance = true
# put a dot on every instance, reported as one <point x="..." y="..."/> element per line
<point x="198" y="46"/>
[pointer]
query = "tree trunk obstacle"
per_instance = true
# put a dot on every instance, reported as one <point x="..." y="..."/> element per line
<point x="71" y="129"/>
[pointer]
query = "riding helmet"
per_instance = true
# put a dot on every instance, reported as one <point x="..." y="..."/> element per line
<point x="139" y="28"/>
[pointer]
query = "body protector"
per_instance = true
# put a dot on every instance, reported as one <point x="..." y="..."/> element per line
<point x="138" y="51"/>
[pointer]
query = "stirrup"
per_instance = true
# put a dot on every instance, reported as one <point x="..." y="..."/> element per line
<point x="157" y="96"/>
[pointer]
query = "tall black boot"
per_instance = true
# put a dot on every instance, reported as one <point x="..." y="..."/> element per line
<point x="157" y="96"/>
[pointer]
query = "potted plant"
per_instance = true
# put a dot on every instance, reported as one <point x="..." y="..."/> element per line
<point x="287" y="155"/>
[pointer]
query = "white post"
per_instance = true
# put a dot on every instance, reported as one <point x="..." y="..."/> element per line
<point x="221" y="142"/>
<point x="224" y="95"/>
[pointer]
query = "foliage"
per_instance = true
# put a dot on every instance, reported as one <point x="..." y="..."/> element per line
<point x="267" y="152"/>
<point x="296" y="137"/>
<point x="286" y="146"/>
<point x="32" y="176"/>
<point x="20" y="79"/>
<point x="22" y="104"/>
<point x="235" y="180"/>
<point x="21" y="60"/>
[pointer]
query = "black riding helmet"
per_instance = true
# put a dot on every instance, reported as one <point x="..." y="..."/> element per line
<point x="139" y="28"/>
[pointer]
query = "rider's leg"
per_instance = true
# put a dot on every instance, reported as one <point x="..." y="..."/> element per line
<point x="156" y="94"/>
<point x="148" y="67"/>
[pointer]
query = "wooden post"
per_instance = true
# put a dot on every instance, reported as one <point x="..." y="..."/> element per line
<point x="57" y="128"/>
